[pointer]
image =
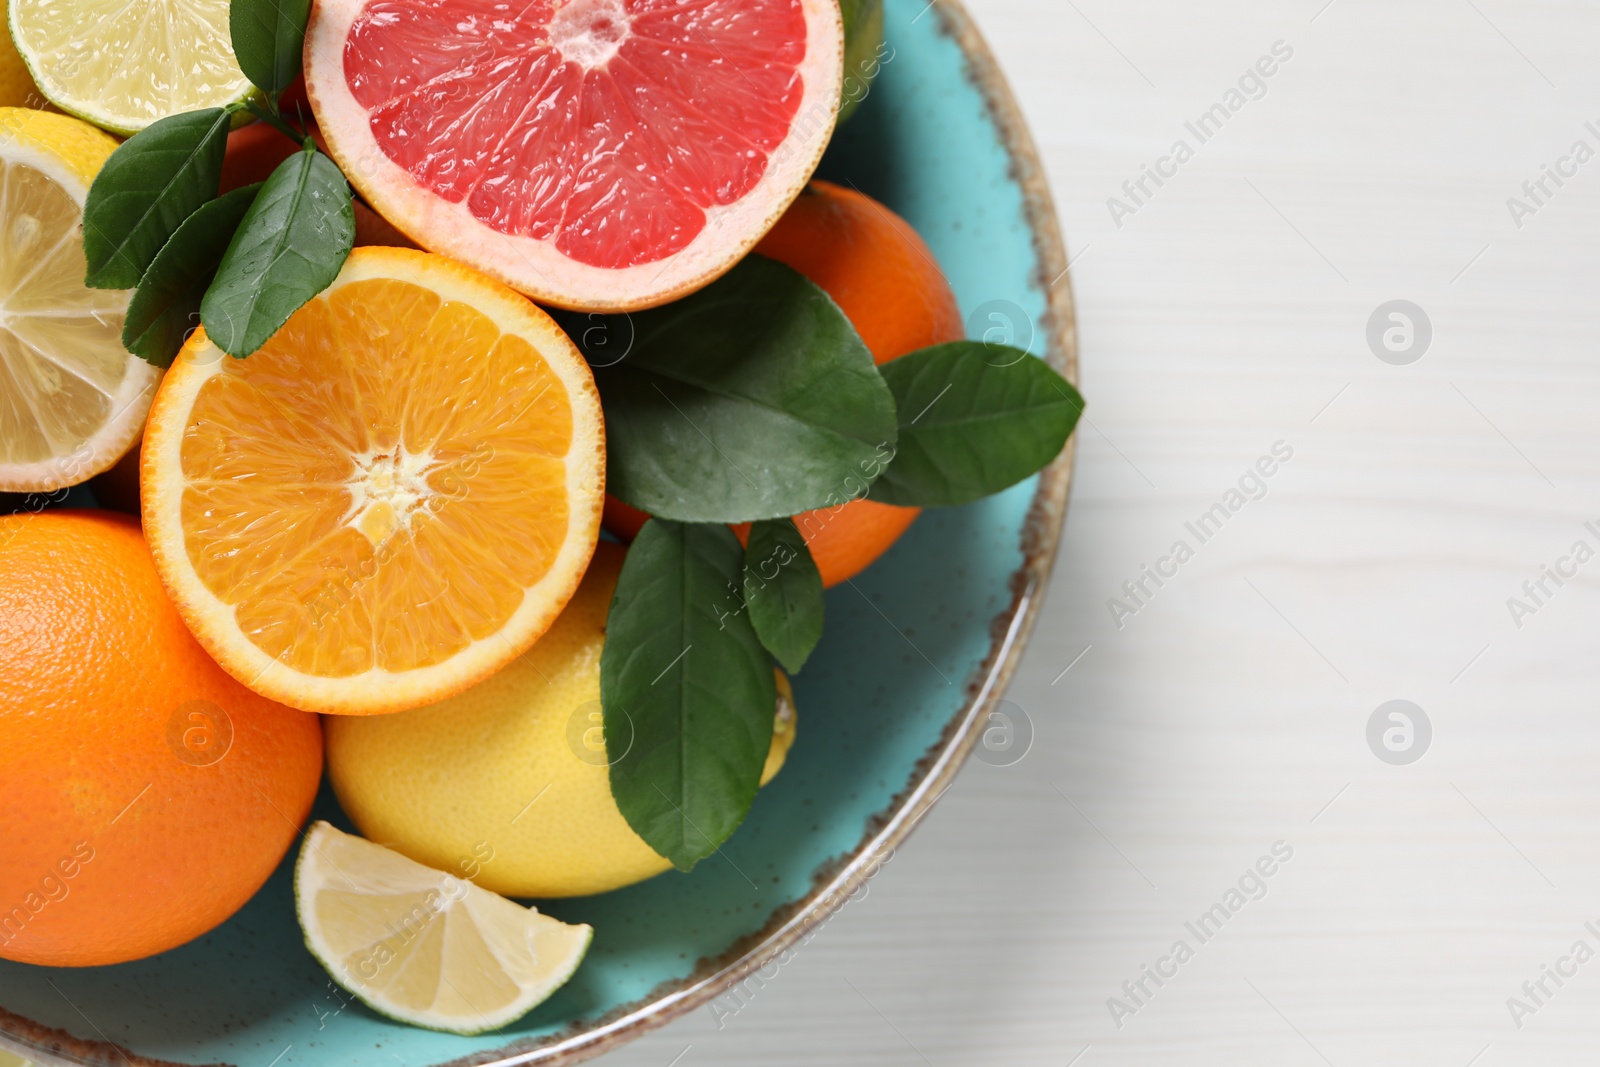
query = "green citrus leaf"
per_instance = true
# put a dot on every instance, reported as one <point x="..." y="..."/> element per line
<point x="268" y="39"/>
<point x="783" y="591"/>
<point x="289" y="248"/>
<point x="975" y="418"/>
<point x="166" y="305"/>
<point x="752" y="399"/>
<point x="683" y="673"/>
<point x="152" y="182"/>
<point x="863" y="51"/>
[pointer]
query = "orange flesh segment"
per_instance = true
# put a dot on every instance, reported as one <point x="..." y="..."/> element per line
<point x="377" y="486"/>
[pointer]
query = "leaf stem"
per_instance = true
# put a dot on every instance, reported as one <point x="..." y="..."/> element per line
<point x="275" y="120"/>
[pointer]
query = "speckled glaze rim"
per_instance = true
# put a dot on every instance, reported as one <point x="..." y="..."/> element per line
<point x="841" y="878"/>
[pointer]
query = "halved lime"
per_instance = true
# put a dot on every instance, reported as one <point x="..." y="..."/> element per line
<point x="123" y="64"/>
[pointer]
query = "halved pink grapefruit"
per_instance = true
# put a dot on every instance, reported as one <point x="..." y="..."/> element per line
<point x="599" y="155"/>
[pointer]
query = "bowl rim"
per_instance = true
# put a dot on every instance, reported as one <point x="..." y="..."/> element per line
<point x="844" y="876"/>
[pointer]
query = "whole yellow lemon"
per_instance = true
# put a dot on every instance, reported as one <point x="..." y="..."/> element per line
<point x="508" y="784"/>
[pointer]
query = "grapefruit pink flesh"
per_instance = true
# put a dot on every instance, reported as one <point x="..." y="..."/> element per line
<point x="583" y="125"/>
<point x="624" y="151"/>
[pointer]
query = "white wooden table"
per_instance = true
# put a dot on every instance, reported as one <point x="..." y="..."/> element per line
<point x="1229" y="312"/>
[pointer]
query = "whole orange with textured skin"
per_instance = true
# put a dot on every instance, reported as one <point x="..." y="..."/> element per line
<point x="885" y="279"/>
<point x="883" y="276"/>
<point x="146" y="794"/>
<point x="879" y="271"/>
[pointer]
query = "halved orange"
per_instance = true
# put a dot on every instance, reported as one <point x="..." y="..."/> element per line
<point x="388" y="502"/>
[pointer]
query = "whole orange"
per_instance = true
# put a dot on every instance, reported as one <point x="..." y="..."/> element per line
<point x="879" y="271"/>
<point x="146" y="794"/>
<point x="885" y="279"/>
<point x="843" y="540"/>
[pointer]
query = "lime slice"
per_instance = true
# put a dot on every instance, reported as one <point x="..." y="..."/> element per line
<point x="72" y="399"/>
<point x="422" y="946"/>
<point x="123" y="64"/>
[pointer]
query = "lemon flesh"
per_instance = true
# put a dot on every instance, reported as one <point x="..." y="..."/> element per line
<point x="123" y="65"/>
<point x="425" y="947"/>
<point x="72" y="399"/>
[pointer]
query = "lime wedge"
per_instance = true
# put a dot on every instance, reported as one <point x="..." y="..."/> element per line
<point x="422" y="946"/>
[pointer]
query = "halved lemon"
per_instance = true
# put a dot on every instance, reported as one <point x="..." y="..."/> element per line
<point x="72" y="399"/>
<point x="423" y="946"/>
<point x="391" y="500"/>
<point x="123" y="64"/>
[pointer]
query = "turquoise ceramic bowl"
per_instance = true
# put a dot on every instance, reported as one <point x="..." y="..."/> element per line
<point x="889" y="706"/>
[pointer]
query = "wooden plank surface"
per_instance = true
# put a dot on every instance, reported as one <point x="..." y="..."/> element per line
<point x="1225" y="314"/>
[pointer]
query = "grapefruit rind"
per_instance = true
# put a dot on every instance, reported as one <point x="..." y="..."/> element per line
<point x="535" y="267"/>
<point x="377" y="691"/>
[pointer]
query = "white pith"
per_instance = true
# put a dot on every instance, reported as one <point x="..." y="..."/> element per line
<point x="590" y="32"/>
<point x="386" y="490"/>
